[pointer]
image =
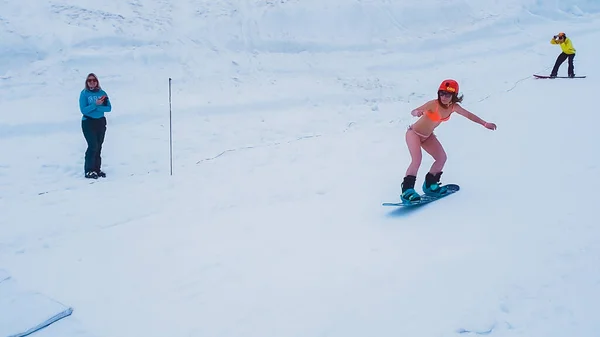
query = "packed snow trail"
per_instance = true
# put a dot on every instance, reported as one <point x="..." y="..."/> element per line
<point x="285" y="146"/>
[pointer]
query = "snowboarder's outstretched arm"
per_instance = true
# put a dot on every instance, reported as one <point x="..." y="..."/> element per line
<point x="418" y="112"/>
<point x="471" y="116"/>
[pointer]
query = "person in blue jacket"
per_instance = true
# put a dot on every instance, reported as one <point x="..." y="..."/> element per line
<point x="93" y="103"/>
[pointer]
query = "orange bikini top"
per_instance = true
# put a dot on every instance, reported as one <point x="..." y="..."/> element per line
<point x="436" y="116"/>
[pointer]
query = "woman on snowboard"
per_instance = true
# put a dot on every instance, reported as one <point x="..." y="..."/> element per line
<point x="568" y="52"/>
<point x="420" y="135"/>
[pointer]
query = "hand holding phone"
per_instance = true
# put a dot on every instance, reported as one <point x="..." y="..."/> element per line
<point x="101" y="100"/>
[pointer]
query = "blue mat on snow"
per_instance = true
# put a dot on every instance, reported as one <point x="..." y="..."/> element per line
<point x="24" y="312"/>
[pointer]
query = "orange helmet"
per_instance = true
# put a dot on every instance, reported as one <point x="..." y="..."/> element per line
<point x="561" y="34"/>
<point x="450" y="86"/>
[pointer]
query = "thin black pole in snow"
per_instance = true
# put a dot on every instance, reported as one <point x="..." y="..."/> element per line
<point x="170" y="130"/>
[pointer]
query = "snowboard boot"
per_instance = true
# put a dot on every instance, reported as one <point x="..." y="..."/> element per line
<point x="432" y="185"/>
<point x="408" y="190"/>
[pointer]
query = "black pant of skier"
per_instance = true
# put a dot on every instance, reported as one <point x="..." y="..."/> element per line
<point x="559" y="60"/>
<point x="94" y="131"/>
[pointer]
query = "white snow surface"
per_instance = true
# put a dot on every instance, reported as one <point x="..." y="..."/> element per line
<point x="288" y="123"/>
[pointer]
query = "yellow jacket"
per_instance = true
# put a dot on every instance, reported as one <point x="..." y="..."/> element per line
<point x="566" y="46"/>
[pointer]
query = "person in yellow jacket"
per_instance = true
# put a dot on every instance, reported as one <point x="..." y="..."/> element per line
<point x="568" y="52"/>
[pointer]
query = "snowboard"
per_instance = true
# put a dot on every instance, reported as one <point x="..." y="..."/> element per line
<point x="425" y="199"/>
<point x="544" y="76"/>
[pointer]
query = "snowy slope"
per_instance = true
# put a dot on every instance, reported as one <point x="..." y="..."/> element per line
<point x="288" y="126"/>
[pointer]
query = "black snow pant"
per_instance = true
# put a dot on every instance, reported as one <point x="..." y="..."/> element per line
<point x="559" y="60"/>
<point x="93" y="131"/>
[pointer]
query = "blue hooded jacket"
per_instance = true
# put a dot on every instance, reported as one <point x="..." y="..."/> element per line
<point x="87" y="104"/>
